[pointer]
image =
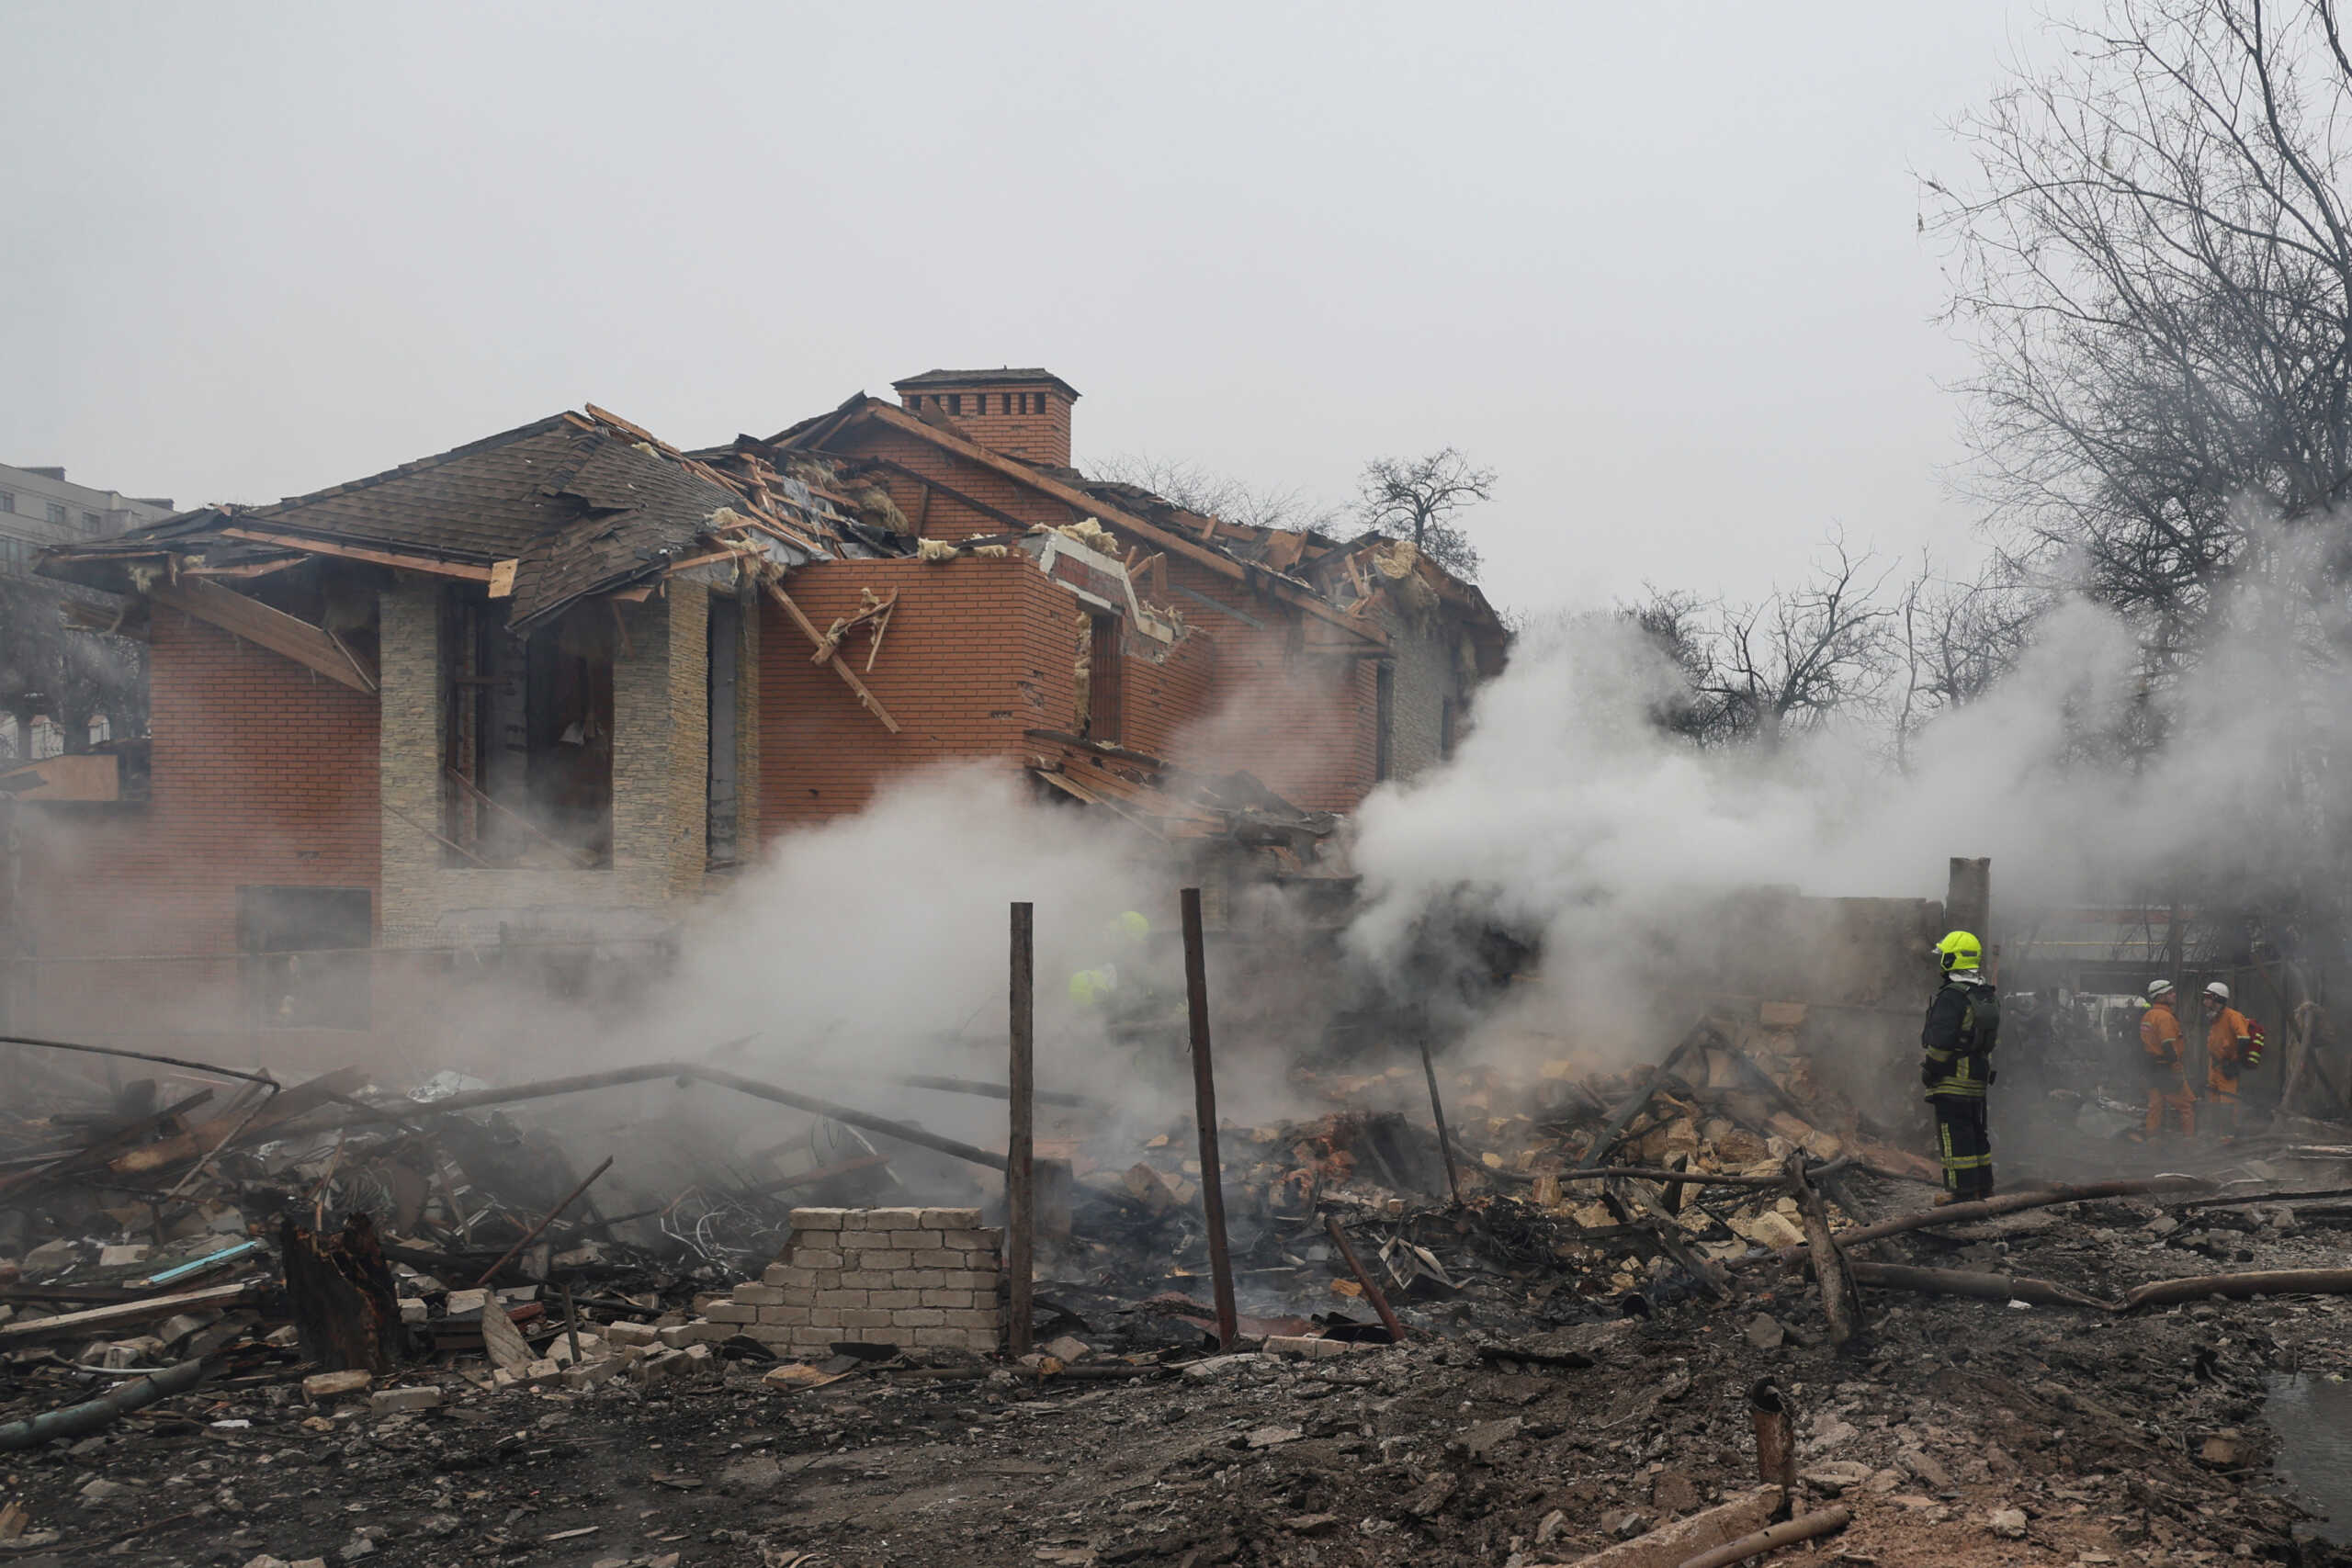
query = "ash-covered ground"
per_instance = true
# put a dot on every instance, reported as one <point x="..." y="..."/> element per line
<point x="1959" y="1431"/>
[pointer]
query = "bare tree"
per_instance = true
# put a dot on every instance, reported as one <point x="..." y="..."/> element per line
<point x="1229" y="500"/>
<point x="1417" y="500"/>
<point x="1792" y="661"/>
<point x="1958" y="640"/>
<point x="2154" y="257"/>
<point x="2153" y="253"/>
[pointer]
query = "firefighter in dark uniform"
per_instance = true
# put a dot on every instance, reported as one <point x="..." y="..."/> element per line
<point x="1964" y="1020"/>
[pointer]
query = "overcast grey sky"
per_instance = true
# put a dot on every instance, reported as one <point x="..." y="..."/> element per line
<point x="1656" y="264"/>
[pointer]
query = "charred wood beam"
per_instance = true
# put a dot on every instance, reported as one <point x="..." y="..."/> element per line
<point x="339" y="1289"/>
<point x="1666" y="1232"/>
<point x="1970" y="1282"/>
<point x="1838" y="1302"/>
<point x="158" y="1124"/>
<point x="208" y="1138"/>
<point x="1610" y="1134"/>
<point x="2237" y="1287"/>
<point x="1670" y="1178"/>
<point x="2039" y="1197"/>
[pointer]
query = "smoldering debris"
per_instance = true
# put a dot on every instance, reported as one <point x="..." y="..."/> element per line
<point x="396" y="1280"/>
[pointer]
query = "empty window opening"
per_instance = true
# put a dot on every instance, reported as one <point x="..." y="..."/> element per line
<point x="306" y="964"/>
<point x="528" y="738"/>
<point x="1384" y="759"/>
<point x="954" y="402"/>
<point x="1105" y="681"/>
<point x="723" y="812"/>
<point x="1445" y="729"/>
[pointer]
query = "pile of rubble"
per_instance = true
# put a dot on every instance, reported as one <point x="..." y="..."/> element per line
<point x="1588" y="1274"/>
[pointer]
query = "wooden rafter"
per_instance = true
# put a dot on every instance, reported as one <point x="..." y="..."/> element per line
<point x="439" y="567"/>
<point x="871" y="703"/>
<point x="877" y="614"/>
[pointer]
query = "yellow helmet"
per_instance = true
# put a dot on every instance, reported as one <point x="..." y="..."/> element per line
<point x="1958" y="950"/>
<point x="1132" y="925"/>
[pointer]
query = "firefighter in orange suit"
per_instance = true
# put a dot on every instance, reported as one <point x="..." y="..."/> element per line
<point x="2167" y="1065"/>
<point x="2231" y="1044"/>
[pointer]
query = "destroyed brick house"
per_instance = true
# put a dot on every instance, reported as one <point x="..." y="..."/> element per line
<point x="541" y="690"/>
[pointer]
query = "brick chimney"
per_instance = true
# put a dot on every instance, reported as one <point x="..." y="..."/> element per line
<point x="1024" y="413"/>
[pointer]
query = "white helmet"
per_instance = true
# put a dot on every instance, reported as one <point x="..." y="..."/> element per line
<point x="2159" y="989"/>
<point x="2219" y="992"/>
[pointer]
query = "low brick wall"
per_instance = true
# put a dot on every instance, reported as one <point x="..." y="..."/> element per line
<point x="921" y="1279"/>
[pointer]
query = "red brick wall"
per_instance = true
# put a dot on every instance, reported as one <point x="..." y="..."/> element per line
<point x="1305" y="724"/>
<point x="264" y="774"/>
<point x="944" y="517"/>
<point x="978" y="651"/>
<point x="1167" y="698"/>
<point x="1042" y="437"/>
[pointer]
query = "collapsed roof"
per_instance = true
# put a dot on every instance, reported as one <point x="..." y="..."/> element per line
<point x="567" y="507"/>
<point x="587" y="503"/>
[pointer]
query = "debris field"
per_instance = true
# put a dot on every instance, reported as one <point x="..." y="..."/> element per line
<point x="340" y="1323"/>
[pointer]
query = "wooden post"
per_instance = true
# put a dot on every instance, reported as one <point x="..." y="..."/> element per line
<point x="1196" y="997"/>
<point x="1020" y="1165"/>
<point x="1968" y="896"/>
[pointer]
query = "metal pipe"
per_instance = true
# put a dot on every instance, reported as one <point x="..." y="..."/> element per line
<point x="1776" y="1449"/>
<point x="1370" y="1292"/>
<point x="996" y="1091"/>
<point x="1197" y="999"/>
<point x="687" y="1072"/>
<point x="76" y="1420"/>
<point x="1444" y="1139"/>
<point x="532" y="1235"/>
<point x="199" y="1264"/>
<point x="844" y="1113"/>
<point x="1020" y="1158"/>
<point x="142" y="1056"/>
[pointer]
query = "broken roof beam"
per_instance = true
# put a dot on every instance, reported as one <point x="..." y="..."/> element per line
<point x="1171" y="540"/>
<point x="312" y="646"/>
<point x="994" y="513"/>
<point x="435" y="565"/>
<point x="872" y="703"/>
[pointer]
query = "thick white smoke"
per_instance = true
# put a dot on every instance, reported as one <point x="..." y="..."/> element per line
<point x="1568" y="813"/>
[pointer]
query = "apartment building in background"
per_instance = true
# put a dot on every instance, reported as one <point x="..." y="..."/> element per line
<point x="41" y="509"/>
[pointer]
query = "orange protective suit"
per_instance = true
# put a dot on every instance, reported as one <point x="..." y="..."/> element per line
<point x="2168" y="1089"/>
<point x="2228" y="1043"/>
